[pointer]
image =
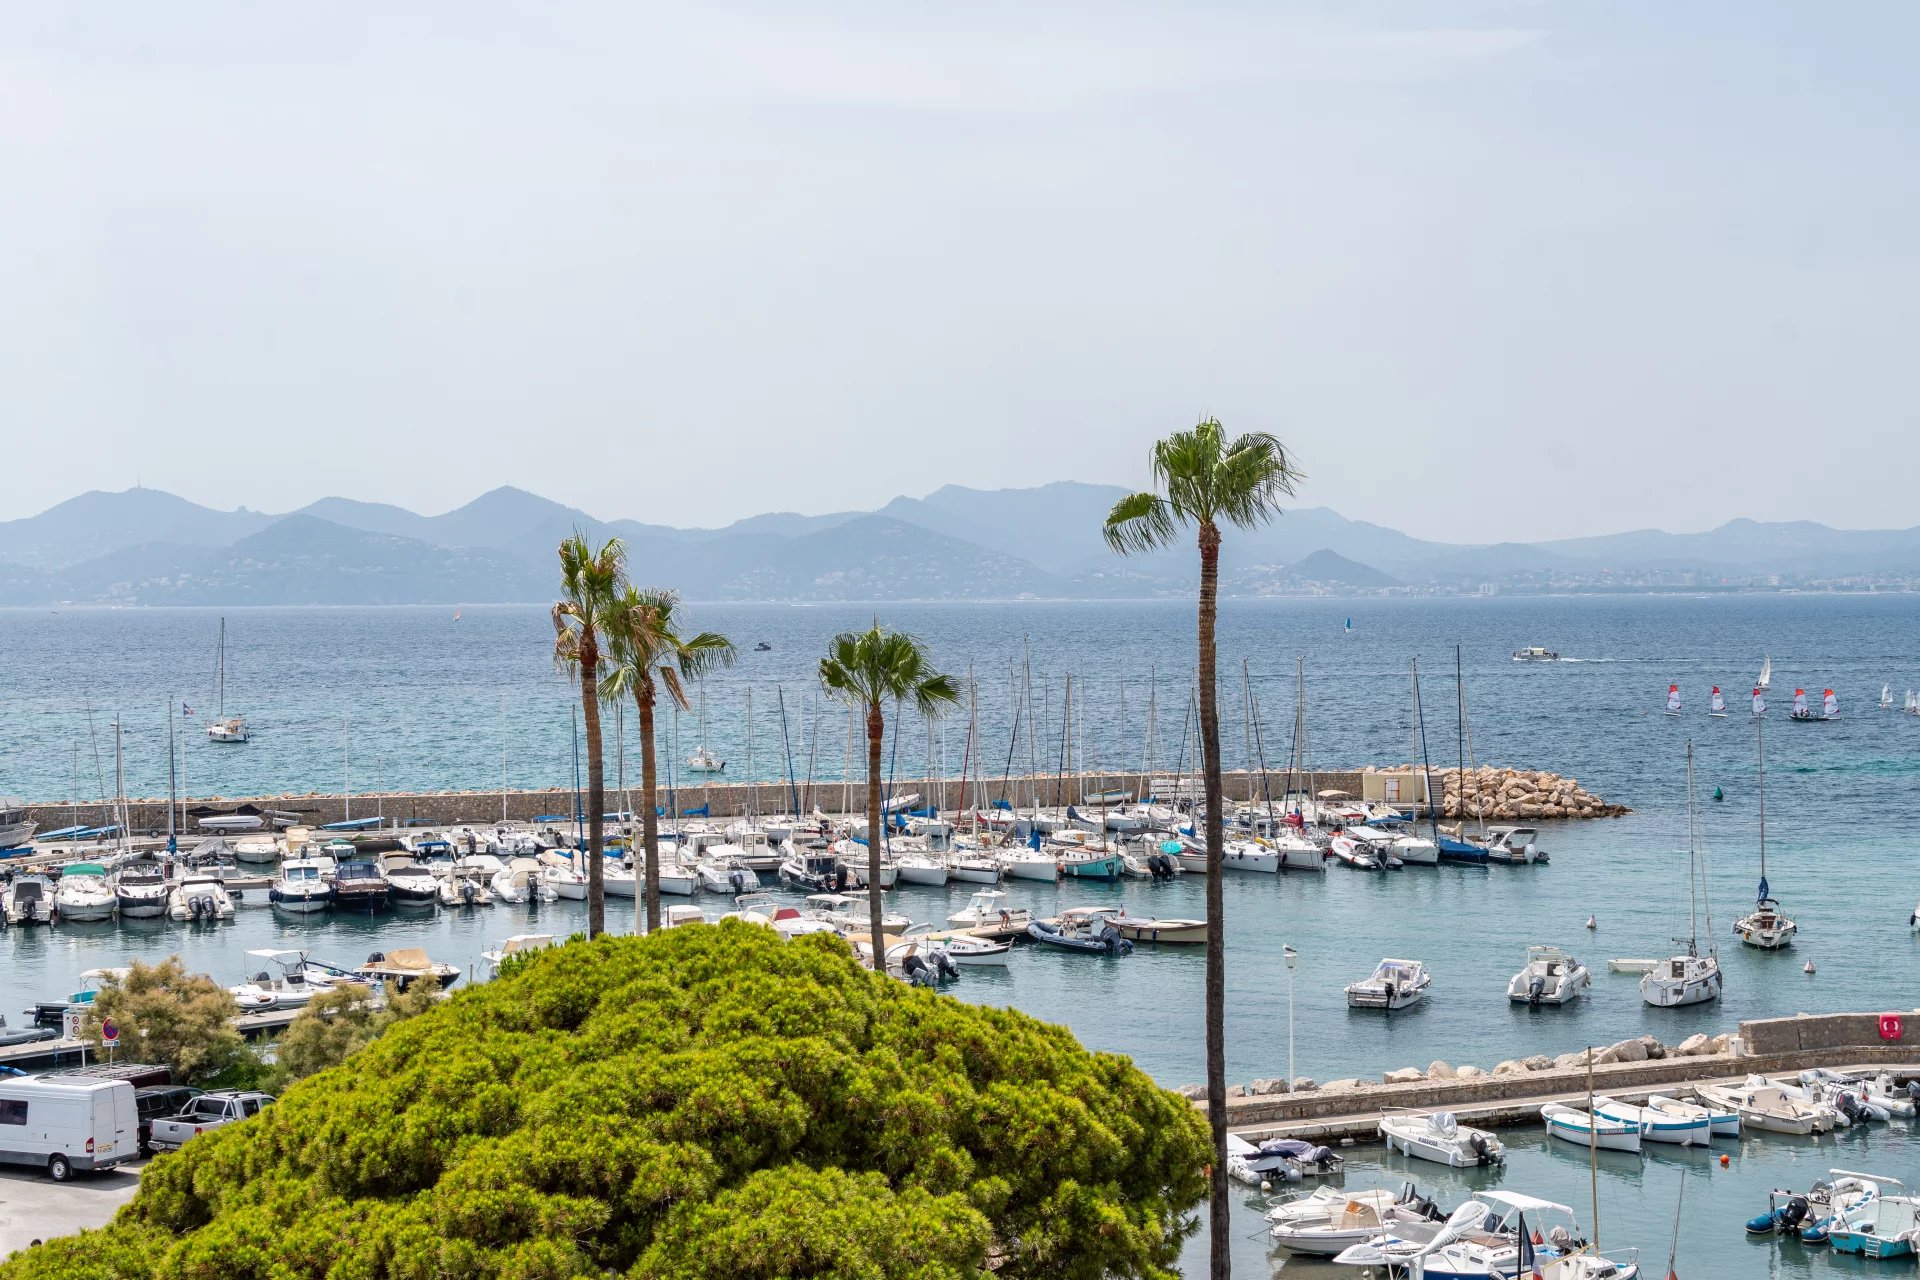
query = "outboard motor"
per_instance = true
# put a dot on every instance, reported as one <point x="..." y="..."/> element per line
<point x="917" y="971"/>
<point x="468" y="891"/>
<point x="839" y="879"/>
<point x="1536" y="989"/>
<point x="1115" y="944"/>
<point x="1482" y="1153"/>
<point x="1785" y="1218"/>
<point x="738" y="881"/>
<point x="1849" y="1106"/>
<point x="944" y="966"/>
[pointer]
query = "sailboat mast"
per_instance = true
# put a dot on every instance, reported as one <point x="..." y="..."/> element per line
<point x="1693" y="862"/>
<point x="173" y="787"/>
<point x="1760" y="746"/>
<point x="222" y="667"/>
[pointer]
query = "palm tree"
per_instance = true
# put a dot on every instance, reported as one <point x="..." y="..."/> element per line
<point x="1204" y="478"/>
<point x="866" y="670"/>
<point x="590" y="582"/>
<point x="649" y="652"/>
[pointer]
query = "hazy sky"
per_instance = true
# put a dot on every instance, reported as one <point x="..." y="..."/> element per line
<point x="1494" y="270"/>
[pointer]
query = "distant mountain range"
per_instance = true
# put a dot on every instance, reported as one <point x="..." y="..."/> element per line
<point x="143" y="546"/>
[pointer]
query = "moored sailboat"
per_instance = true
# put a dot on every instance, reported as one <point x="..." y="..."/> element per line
<point x="1766" y="926"/>
<point x="226" y="728"/>
<point x="1691" y="978"/>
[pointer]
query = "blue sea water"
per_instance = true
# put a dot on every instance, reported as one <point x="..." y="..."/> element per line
<point x="406" y="698"/>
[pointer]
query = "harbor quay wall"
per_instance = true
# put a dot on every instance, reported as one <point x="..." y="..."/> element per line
<point x="1767" y="1046"/>
<point x="726" y="799"/>
<point x="1394" y="785"/>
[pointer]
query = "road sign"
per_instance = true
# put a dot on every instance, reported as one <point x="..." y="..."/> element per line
<point x="108" y="1032"/>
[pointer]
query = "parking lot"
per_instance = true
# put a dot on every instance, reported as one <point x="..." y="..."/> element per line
<point x="35" y="1207"/>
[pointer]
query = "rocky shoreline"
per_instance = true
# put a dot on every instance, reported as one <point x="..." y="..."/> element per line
<point x="1508" y="795"/>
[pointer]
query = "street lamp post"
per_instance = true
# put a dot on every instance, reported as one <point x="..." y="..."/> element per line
<point x="1291" y="956"/>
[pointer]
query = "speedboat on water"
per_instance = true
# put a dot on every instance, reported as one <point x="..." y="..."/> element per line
<point x="721" y="871"/>
<point x="991" y="909"/>
<point x="84" y="893"/>
<point x="1085" y="929"/>
<point x="28" y="899"/>
<point x="1810" y="1216"/>
<point x="200" y="897"/>
<point x="141" y="890"/>
<point x="1326" y="1220"/>
<point x="1395" y="984"/>
<point x="1482" y="1240"/>
<point x="1551" y="976"/>
<point x="1440" y="1137"/>
<point x="1763" y="1105"/>
<point x="1281" y="1160"/>
<point x="280" y="980"/>
<point x="413" y="885"/>
<point x="1517" y="846"/>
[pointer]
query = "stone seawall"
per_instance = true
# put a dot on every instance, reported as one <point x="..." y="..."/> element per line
<point x="732" y="798"/>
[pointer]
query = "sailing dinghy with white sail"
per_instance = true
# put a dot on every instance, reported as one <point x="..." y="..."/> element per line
<point x="1717" y="705"/>
<point x="1766" y="672"/>
<point x="1673" y="699"/>
<point x="1886" y="697"/>
<point x="1759" y="703"/>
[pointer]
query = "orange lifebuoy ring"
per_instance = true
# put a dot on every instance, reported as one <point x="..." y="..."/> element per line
<point x="1890" y="1027"/>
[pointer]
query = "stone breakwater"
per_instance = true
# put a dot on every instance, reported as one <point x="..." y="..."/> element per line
<point x="1512" y="794"/>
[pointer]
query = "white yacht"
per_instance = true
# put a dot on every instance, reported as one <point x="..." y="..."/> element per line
<point x="1440" y="1137"/>
<point x="721" y="870"/>
<point x="280" y="980"/>
<point x="84" y="893"/>
<point x="1395" y="984"/>
<point x="412" y="885"/>
<point x="519" y="881"/>
<point x="304" y="885"/>
<point x="923" y="868"/>
<point x="259" y="849"/>
<point x="1551" y="976"/>
<point x="141" y="889"/>
<point x="200" y="897"/>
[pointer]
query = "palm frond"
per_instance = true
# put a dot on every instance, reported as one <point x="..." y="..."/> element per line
<point x="1139" y="522"/>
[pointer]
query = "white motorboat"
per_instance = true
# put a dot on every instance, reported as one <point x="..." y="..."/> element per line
<point x="1330" y="1220"/>
<point x="1815" y="1095"/>
<point x="28" y="899"/>
<point x="200" y="897"/>
<point x="1721" y="1122"/>
<point x="84" y="893"/>
<point x="962" y="947"/>
<point x="1656" y="1124"/>
<point x="990" y="909"/>
<point x="673" y="915"/>
<point x="141" y="889"/>
<point x="1395" y="984"/>
<point x="851" y="913"/>
<point x="280" y="980"/>
<point x="519" y="944"/>
<point x="304" y="885"/>
<point x="922" y="869"/>
<point x="1440" y="1137"/>
<point x="1149" y="929"/>
<point x="224" y="822"/>
<point x="465" y="891"/>
<point x="787" y="921"/>
<point x="723" y="869"/>
<point x="1762" y="1105"/>
<point x="519" y="882"/>
<point x="1479" y="1242"/>
<point x="566" y="880"/>
<point x="261" y="850"/>
<point x="16" y="826"/>
<point x="1516" y="846"/>
<point x="1358" y="854"/>
<point x="1551" y="976"/>
<point x="1535" y="653"/>
<point x="413" y="885"/>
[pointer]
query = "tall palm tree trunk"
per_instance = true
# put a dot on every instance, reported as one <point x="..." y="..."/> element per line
<point x="1218" y="1207"/>
<point x="596" y="796"/>
<point x="876" y="734"/>
<point x="650" y="819"/>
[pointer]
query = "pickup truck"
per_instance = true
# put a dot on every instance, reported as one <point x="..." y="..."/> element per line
<point x="208" y="1111"/>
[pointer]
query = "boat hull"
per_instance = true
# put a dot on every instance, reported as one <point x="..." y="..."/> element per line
<point x="1180" y="931"/>
<point x="299" y="903"/>
<point x="933" y="877"/>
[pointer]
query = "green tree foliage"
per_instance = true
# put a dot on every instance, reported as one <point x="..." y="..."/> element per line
<point x="709" y="1101"/>
<point x="343" y="1021"/>
<point x="166" y="1015"/>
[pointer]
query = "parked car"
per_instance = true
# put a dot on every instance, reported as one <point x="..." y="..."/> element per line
<point x="67" y="1125"/>
<point x="207" y="1111"/>
<point x="160" y="1100"/>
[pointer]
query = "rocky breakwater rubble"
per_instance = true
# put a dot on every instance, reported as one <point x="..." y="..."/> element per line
<point x="1507" y="795"/>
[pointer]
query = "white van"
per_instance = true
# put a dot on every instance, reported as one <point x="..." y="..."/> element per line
<point x="67" y="1125"/>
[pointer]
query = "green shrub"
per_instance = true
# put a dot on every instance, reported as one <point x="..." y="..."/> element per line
<point x="708" y="1101"/>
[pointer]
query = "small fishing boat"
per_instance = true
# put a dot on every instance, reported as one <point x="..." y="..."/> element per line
<point x="1148" y="929"/>
<point x="403" y="966"/>
<point x="1100" y="861"/>
<point x="200" y="897"/>
<point x="84" y="893"/>
<point x="1721" y="1121"/>
<point x="1535" y="653"/>
<point x="1551" y="976"/>
<point x="1765" y="1106"/>
<point x="1590" y="1130"/>
<point x="465" y="891"/>
<point x="1440" y="1137"/>
<point x="1395" y="984"/>
<point x="816" y="869"/>
<point x="1885" y="1227"/>
<point x="1086" y="929"/>
<point x="1658" y="1125"/>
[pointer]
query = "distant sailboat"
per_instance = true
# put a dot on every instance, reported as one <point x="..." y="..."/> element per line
<point x="224" y="729"/>
<point x="1800" y="711"/>
<point x="1718" y="705"/>
<point x="1759" y="703"/>
<point x="1829" y="706"/>
<point x="1349" y="626"/>
<point x="1673" y="699"/>
<point x="1886" y="697"/>
<point x="1766" y="673"/>
<point x="1913" y="704"/>
<point x="703" y="760"/>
